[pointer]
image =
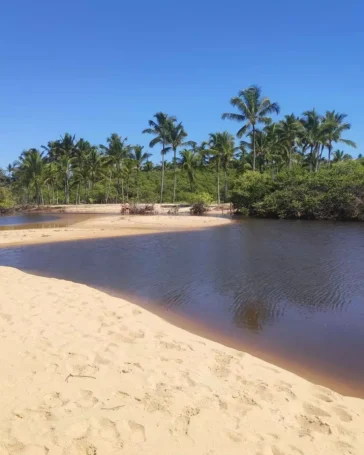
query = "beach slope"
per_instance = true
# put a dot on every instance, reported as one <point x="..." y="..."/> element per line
<point x="86" y="373"/>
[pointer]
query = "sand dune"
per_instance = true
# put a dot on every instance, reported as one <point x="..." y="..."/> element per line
<point x="86" y="373"/>
<point x="110" y="226"/>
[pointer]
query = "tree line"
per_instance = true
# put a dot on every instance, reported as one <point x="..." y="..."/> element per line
<point x="70" y="170"/>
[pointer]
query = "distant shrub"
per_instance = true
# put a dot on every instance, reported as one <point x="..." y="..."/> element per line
<point x="141" y="209"/>
<point x="6" y="198"/>
<point x="198" y="208"/>
<point x="202" y="196"/>
<point x="330" y="194"/>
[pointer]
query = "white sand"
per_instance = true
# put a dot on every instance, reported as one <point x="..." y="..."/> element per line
<point x="86" y="373"/>
<point x="110" y="226"/>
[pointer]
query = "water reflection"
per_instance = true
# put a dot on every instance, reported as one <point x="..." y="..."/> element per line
<point x="291" y="289"/>
<point x="39" y="220"/>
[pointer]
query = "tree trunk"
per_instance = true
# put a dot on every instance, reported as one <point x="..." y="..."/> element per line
<point x="175" y="175"/>
<point x="254" y="157"/>
<point x="225" y="185"/>
<point x="218" y="182"/>
<point x="330" y="148"/>
<point x="162" y="177"/>
<point x="137" y="184"/>
<point x="118" y="186"/>
<point x="290" y="158"/>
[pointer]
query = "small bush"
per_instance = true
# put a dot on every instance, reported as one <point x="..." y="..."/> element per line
<point x="198" y="197"/>
<point x="138" y="209"/>
<point x="198" y="208"/>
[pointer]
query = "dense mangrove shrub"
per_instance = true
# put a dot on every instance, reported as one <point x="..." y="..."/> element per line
<point x="330" y="194"/>
<point x="7" y="200"/>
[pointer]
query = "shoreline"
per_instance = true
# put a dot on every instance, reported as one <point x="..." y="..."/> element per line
<point x="109" y="226"/>
<point x="87" y="371"/>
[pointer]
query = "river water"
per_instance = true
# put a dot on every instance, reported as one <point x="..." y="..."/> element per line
<point x="290" y="292"/>
<point x="39" y="220"/>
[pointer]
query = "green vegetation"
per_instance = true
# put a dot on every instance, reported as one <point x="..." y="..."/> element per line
<point x="290" y="168"/>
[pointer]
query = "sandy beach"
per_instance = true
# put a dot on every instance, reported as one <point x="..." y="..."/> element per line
<point x="87" y="373"/>
<point x="112" y="225"/>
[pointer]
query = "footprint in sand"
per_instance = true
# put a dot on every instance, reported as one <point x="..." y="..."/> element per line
<point x="309" y="424"/>
<point x="137" y="432"/>
<point x="343" y="415"/>
<point x="315" y="411"/>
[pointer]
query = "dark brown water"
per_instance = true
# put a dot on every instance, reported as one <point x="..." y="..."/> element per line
<point x="289" y="292"/>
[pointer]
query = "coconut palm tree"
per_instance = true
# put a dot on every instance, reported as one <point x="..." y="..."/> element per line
<point x="176" y="136"/>
<point x="253" y="109"/>
<point x="51" y="178"/>
<point x="117" y="152"/>
<point x="340" y="155"/>
<point x="313" y="137"/>
<point x="95" y="167"/>
<point x="160" y="129"/>
<point x="228" y="150"/>
<point x="290" y="131"/>
<point x="64" y="166"/>
<point x="32" y="166"/>
<point x="139" y="158"/>
<point x="334" y="127"/>
<point x="189" y="163"/>
<point x="221" y="150"/>
<point x="128" y="168"/>
<point x="80" y="166"/>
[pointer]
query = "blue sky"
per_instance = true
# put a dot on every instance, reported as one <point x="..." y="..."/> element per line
<point x="96" y="67"/>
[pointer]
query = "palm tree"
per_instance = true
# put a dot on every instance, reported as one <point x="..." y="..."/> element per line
<point x="189" y="162"/>
<point x="51" y="180"/>
<point x="290" y="130"/>
<point x="64" y="165"/>
<point x="334" y="125"/>
<point x="80" y="167"/>
<point x="32" y="165"/>
<point x="129" y="166"/>
<point x="228" y="149"/>
<point x="340" y="155"/>
<point x="222" y="149"/>
<point x="140" y="158"/>
<point x="160" y="129"/>
<point x="254" y="109"/>
<point x="176" y="135"/>
<point x="95" y="166"/>
<point x="313" y="137"/>
<point x="117" y="152"/>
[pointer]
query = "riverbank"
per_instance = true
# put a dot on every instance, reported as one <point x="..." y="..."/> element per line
<point x="87" y="373"/>
<point x="113" y="225"/>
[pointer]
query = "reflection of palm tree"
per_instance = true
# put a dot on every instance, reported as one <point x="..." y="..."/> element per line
<point x="253" y="315"/>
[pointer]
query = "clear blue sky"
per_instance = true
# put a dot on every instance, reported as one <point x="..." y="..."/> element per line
<point x="96" y="67"/>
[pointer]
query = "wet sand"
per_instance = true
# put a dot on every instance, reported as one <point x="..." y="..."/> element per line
<point x="110" y="226"/>
<point x="87" y="373"/>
